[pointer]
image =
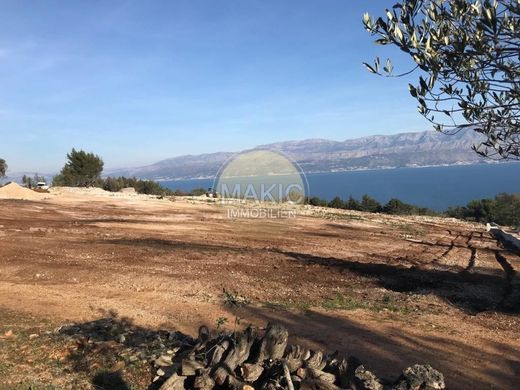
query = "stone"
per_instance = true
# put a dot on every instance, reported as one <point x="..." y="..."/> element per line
<point x="420" y="377"/>
<point x="364" y="379"/>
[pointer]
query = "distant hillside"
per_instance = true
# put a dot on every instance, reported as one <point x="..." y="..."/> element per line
<point x="320" y="155"/>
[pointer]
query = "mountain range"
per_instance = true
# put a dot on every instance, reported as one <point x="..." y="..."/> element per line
<point x="418" y="149"/>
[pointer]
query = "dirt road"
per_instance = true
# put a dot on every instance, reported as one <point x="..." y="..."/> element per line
<point x="391" y="290"/>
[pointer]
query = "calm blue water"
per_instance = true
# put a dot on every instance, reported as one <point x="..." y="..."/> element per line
<point x="436" y="187"/>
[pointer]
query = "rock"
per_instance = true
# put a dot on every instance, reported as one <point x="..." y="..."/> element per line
<point x="33" y="336"/>
<point x="364" y="379"/>
<point x="420" y="377"/>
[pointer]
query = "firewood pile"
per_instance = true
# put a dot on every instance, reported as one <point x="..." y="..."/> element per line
<point x="264" y="360"/>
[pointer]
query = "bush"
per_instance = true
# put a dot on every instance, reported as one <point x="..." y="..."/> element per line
<point x="3" y="167"/>
<point x="315" y="201"/>
<point x="148" y="187"/>
<point x="198" y="192"/>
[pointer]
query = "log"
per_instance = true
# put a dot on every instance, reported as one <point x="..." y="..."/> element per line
<point x="301" y="373"/>
<point x="175" y="382"/>
<point x="306" y="354"/>
<point x="293" y="357"/>
<point x="321" y="375"/>
<point x="220" y="375"/>
<point x="239" y="351"/>
<point x="287" y="376"/>
<point x="343" y="372"/>
<point x="203" y="333"/>
<point x="273" y="344"/>
<point x="189" y="367"/>
<point x="203" y="381"/>
<point x="237" y="354"/>
<point x="236" y="384"/>
<point x="271" y="384"/>
<point x="317" y="384"/>
<point x="218" y="353"/>
<point x="296" y="379"/>
<point x="251" y="372"/>
<point x="315" y="361"/>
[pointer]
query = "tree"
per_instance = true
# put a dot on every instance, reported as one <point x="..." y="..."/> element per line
<point x="504" y="210"/>
<point x="352" y="204"/>
<point x="81" y="170"/>
<point x="37" y="178"/>
<point x="395" y="206"/>
<point x="398" y="207"/>
<point x="507" y="209"/>
<point x="337" y="203"/>
<point x="467" y="51"/>
<point x="3" y="167"/>
<point x="370" y="204"/>
<point x="27" y="181"/>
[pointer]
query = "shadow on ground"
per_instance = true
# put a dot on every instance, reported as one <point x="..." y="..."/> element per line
<point x="117" y="354"/>
<point x="472" y="292"/>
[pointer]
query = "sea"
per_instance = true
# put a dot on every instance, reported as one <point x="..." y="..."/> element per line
<point x="434" y="187"/>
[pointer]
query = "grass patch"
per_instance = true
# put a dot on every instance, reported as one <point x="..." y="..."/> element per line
<point x="391" y="304"/>
<point x="342" y="302"/>
<point x="302" y="306"/>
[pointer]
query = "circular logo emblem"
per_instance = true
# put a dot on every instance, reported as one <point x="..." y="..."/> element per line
<point x="263" y="176"/>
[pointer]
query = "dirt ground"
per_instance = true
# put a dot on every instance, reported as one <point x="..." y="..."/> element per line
<point x="392" y="291"/>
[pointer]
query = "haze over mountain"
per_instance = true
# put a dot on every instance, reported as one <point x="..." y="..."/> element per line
<point x="320" y="155"/>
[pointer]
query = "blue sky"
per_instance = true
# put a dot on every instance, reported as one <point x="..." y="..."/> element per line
<point x="137" y="81"/>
